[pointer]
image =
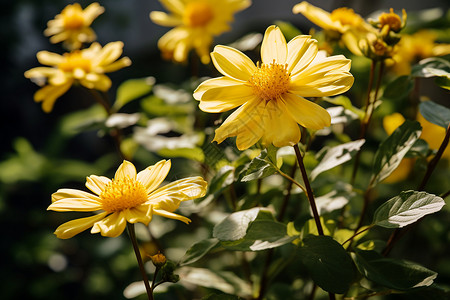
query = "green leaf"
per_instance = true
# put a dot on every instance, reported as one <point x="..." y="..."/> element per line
<point x="336" y="156"/>
<point x="392" y="273"/>
<point x="198" y="250"/>
<point x="329" y="265"/>
<point x="221" y="297"/>
<point x="393" y="149"/>
<point x="407" y="208"/>
<point x="443" y="82"/>
<point x="435" y="113"/>
<point x="431" y="67"/>
<point x="234" y="227"/>
<point x="131" y="90"/>
<point x="399" y="88"/>
<point x="189" y="153"/>
<point x="261" y="166"/>
<point x="345" y="103"/>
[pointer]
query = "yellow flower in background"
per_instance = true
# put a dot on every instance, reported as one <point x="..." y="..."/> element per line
<point x="270" y="94"/>
<point x="128" y="197"/>
<point x="86" y="67"/>
<point x="196" y="23"/>
<point x="391" y="21"/>
<point x="415" y="47"/>
<point x="72" y="25"/>
<point x="342" y="23"/>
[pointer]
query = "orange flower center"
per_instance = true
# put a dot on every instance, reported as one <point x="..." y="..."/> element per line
<point x="198" y="14"/>
<point x="390" y="19"/>
<point x="123" y="193"/>
<point x="75" y="60"/>
<point x="270" y="80"/>
<point x="346" y="16"/>
<point x="73" y="18"/>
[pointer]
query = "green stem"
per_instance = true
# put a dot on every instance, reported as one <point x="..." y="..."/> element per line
<point x="309" y="192"/>
<point x="356" y="234"/>
<point x="132" y="234"/>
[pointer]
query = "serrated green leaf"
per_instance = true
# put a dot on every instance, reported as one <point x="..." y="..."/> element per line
<point x="198" y="250"/>
<point x="131" y="90"/>
<point x="393" y="149"/>
<point x="329" y="265"/>
<point x="399" y="88"/>
<point x="435" y="113"/>
<point x="406" y="208"/>
<point x="392" y="273"/>
<point x="336" y="156"/>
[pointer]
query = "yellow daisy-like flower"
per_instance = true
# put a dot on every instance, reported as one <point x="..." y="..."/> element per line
<point x="128" y="197"/>
<point x="86" y="66"/>
<point x="72" y="25"/>
<point x="270" y="94"/>
<point x="196" y="23"/>
<point x="343" y="22"/>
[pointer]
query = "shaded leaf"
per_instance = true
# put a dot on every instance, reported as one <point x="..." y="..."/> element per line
<point x="131" y="90"/>
<point x="443" y="82"/>
<point x="407" y="208"/>
<point x="392" y="273"/>
<point x="393" y="149"/>
<point x="435" y="113"/>
<point x="198" y="250"/>
<point x="399" y="88"/>
<point x="329" y="265"/>
<point x="346" y="104"/>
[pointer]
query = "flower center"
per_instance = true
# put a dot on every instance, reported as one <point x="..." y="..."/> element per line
<point x="73" y="18"/>
<point x="198" y="14"/>
<point x="270" y="81"/>
<point x="123" y="193"/>
<point x="390" y="19"/>
<point x="75" y="60"/>
<point x="346" y="16"/>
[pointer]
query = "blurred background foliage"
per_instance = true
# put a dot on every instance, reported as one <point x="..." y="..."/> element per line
<point x="40" y="153"/>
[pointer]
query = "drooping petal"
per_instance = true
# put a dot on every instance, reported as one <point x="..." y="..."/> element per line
<point x="171" y="215"/>
<point x="175" y="192"/>
<point x="126" y="169"/>
<point x="281" y="129"/>
<point x="111" y="226"/>
<point x="97" y="183"/>
<point x="74" y="227"/>
<point x="142" y="214"/>
<point x="306" y="113"/>
<point x="49" y="93"/>
<point x="330" y="84"/>
<point x="41" y="72"/>
<point x="274" y="46"/>
<point x="153" y="176"/>
<point x="316" y="15"/>
<point x="232" y="63"/>
<point x="163" y="19"/>
<point x="301" y="52"/>
<point x="72" y="194"/>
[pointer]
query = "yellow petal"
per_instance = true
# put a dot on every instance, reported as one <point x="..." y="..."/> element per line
<point x="49" y="93"/>
<point x="232" y="63"/>
<point x="330" y="84"/>
<point x="41" y="72"/>
<point x="74" y="203"/>
<point x="163" y="19"/>
<point x="110" y="53"/>
<point x="72" y="194"/>
<point x="101" y="82"/>
<point x="126" y="169"/>
<point x="58" y="78"/>
<point x="153" y="176"/>
<point x="170" y="195"/>
<point x="316" y="15"/>
<point x="319" y="67"/>
<point x="273" y="46"/>
<point x="171" y="215"/>
<point x="222" y="94"/>
<point x="74" y="227"/>
<point x="111" y="226"/>
<point x="174" y="6"/>
<point x="281" y="129"/>
<point x="91" y="12"/>
<point x="351" y="41"/>
<point x="301" y="52"/>
<point x="97" y="183"/>
<point x="117" y="65"/>
<point x="142" y="214"/>
<point x="306" y="113"/>
<point x="49" y="58"/>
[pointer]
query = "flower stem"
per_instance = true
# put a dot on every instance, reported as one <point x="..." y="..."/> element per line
<point x="309" y="192"/>
<point x="132" y="234"/>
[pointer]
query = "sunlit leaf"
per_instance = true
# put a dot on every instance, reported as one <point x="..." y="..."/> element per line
<point x="392" y="273"/>
<point x="262" y="166"/>
<point x="131" y="90"/>
<point x="198" y="250"/>
<point x="443" y="82"/>
<point x="329" y="265"/>
<point x="336" y="199"/>
<point x="189" y="153"/>
<point x="393" y="149"/>
<point x="435" y="113"/>
<point x="407" y="208"/>
<point x="234" y="227"/>
<point x="336" y="156"/>
<point x="120" y="120"/>
<point x="346" y="104"/>
<point x="431" y="67"/>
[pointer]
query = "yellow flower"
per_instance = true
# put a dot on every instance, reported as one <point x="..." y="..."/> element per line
<point x="128" y="197"/>
<point x="72" y="25"/>
<point x="196" y="22"/>
<point x="392" y="21"/>
<point x="342" y="23"/>
<point x="270" y="95"/>
<point x="86" y="66"/>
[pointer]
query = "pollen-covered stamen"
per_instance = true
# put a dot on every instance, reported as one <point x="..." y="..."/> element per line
<point x="73" y="18"/>
<point x="75" y="60"/>
<point x="270" y="80"/>
<point x="197" y="14"/>
<point x="123" y="193"/>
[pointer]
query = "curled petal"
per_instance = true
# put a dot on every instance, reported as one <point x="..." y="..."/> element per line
<point x="49" y="93"/>
<point x="316" y="15"/>
<point x="142" y="214"/>
<point x="97" y="183"/>
<point x="232" y="63"/>
<point x="274" y="46"/>
<point x="74" y="227"/>
<point x="171" y="215"/>
<point x="111" y="226"/>
<point x="153" y="176"/>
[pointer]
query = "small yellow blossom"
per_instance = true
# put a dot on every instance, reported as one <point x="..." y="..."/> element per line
<point x="392" y="21"/>
<point x="128" y="197"/>
<point x="86" y="67"/>
<point x="270" y="94"/>
<point x="196" y="23"/>
<point x="342" y="23"/>
<point x="72" y="25"/>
